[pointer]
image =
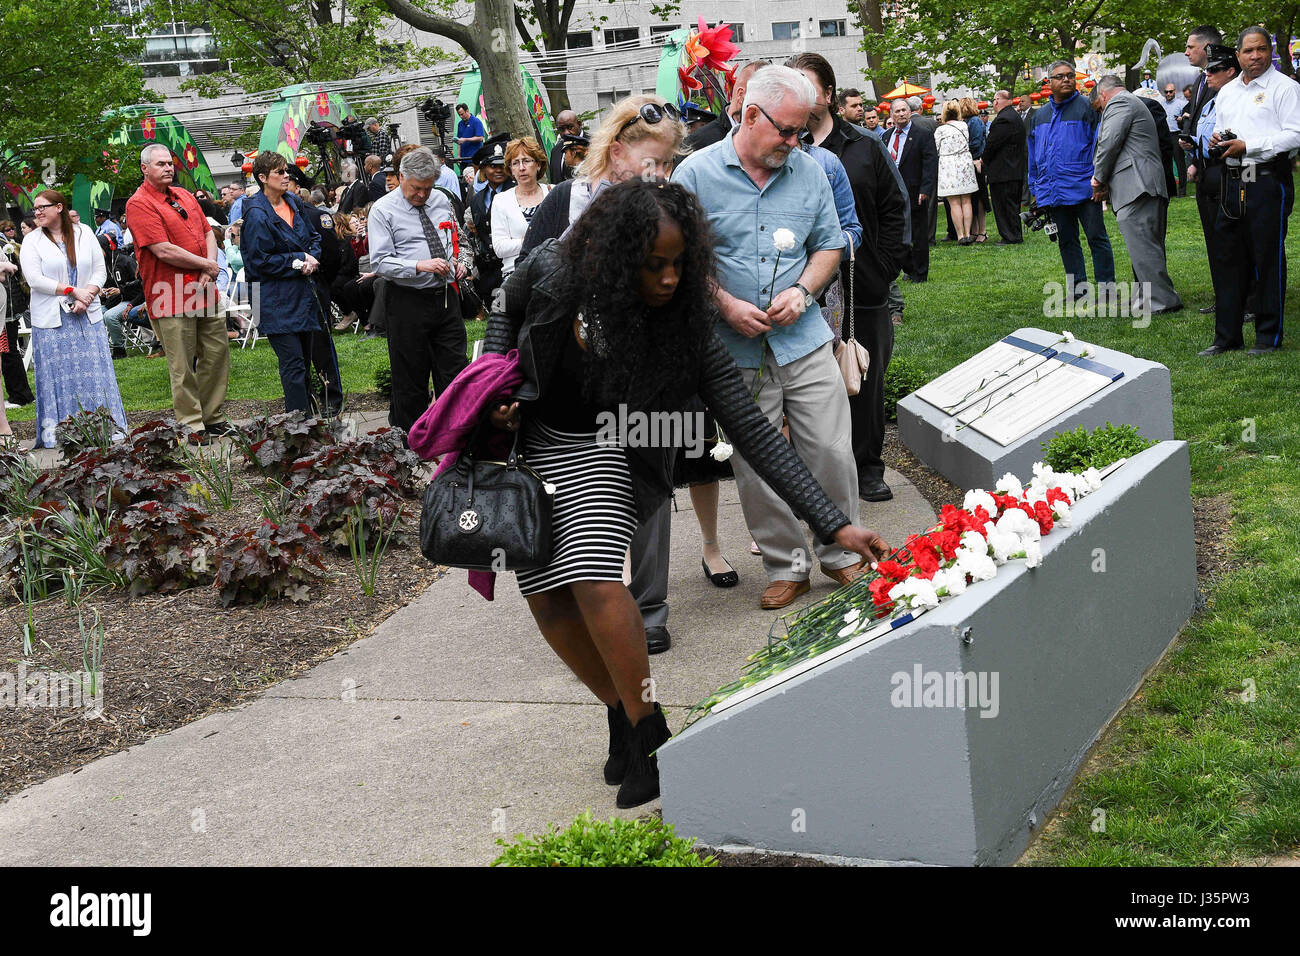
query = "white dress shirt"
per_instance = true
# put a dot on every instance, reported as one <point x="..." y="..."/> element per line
<point x="397" y="242"/>
<point x="1265" y="114"/>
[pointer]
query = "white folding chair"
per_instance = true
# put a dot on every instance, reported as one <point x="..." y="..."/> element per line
<point x="241" y="306"/>
<point x="25" y="332"/>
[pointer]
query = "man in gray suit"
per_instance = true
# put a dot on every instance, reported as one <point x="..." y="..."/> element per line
<point x="1126" y="171"/>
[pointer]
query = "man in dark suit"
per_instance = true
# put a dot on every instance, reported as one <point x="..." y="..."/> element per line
<point x="719" y="129"/>
<point x="566" y="124"/>
<point x="912" y="148"/>
<point x="1197" y="55"/>
<point x="1005" y="165"/>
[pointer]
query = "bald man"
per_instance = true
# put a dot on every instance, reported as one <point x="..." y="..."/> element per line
<point x="566" y="121"/>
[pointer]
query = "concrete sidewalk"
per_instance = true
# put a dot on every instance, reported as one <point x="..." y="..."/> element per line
<point x="452" y="725"/>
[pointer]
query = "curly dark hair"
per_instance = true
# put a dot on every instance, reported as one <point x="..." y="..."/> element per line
<point x="646" y="357"/>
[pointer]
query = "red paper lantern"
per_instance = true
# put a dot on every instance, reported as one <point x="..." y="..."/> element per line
<point x="982" y="105"/>
<point x="246" y="168"/>
<point x="1089" y="84"/>
<point x="1016" y="101"/>
<point x="927" y="101"/>
<point x="302" y="162"/>
<point x="883" y="106"/>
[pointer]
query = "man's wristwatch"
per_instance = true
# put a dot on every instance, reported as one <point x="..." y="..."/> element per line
<point x="808" y="297"/>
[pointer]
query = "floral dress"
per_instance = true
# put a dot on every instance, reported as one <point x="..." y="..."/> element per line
<point x="956" y="168"/>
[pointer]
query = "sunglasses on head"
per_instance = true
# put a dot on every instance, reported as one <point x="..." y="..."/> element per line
<point x="652" y="114"/>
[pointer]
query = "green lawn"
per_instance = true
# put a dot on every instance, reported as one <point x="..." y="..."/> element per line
<point x="1192" y="772"/>
<point x="144" y="384"/>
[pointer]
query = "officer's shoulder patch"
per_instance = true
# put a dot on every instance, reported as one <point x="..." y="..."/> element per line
<point x="327" y="221"/>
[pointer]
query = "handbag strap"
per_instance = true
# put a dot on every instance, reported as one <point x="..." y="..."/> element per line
<point x="852" y="305"/>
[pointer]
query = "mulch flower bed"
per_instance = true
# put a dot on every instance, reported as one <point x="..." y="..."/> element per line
<point x="170" y="658"/>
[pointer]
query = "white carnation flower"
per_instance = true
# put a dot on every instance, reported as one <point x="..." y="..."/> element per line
<point x="915" y="592"/>
<point x="721" y="451"/>
<point x="1092" y="477"/>
<point x="1018" y="523"/>
<point x="852" y="616"/>
<point x="1042" y="472"/>
<point x="1069" y="336"/>
<point x="1033" y="554"/>
<point x="979" y="498"/>
<point x="973" y="541"/>
<point x="784" y="240"/>
<point x="1009" y="484"/>
<point x="954" y="579"/>
<point x="1003" y="544"/>
<point x="1062" y="512"/>
<point x="979" y="566"/>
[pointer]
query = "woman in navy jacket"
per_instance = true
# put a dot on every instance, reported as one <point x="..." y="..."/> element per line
<point x="281" y="251"/>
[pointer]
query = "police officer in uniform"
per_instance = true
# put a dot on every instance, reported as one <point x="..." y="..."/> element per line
<point x="491" y="162"/>
<point x="1257" y="124"/>
<point x="1220" y="68"/>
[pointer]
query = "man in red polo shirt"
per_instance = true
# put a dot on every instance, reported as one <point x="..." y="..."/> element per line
<point x="177" y="253"/>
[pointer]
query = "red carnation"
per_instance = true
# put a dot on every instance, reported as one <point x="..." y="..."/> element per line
<point x="951" y="518"/>
<point x="926" y="554"/>
<point x="979" y="519"/>
<point x="1004" y="502"/>
<point x="891" y="571"/>
<point x="880" y="591"/>
<point x="1043" y="515"/>
<point x="948" y="542"/>
<point x="1056" y="494"/>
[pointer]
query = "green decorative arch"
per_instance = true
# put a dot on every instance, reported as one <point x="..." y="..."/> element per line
<point x="300" y="105"/>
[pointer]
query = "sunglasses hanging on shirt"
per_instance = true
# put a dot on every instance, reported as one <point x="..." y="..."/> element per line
<point x="177" y="206"/>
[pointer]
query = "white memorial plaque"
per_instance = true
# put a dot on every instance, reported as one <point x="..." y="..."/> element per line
<point x="1014" y="386"/>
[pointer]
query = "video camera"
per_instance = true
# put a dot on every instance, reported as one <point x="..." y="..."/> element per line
<point x="318" y="135"/>
<point x="1036" y="219"/>
<point x="435" y="111"/>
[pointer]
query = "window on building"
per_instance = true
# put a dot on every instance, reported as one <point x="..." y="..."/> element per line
<point x="737" y="33"/>
<point x="831" y="28"/>
<point x="785" y="30"/>
<point x="622" y="35"/>
<point x="576" y="41"/>
<point x="660" y="33"/>
<point x="604" y="100"/>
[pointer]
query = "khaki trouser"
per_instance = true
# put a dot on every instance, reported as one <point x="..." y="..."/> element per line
<point x="810" y="392"/>
<point x="198" y="360"/>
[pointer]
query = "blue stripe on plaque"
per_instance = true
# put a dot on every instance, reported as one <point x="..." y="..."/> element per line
<point x="1088" y="365"/>
<point x="1029" y="346"/>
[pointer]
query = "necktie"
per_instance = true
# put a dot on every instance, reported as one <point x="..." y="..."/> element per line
<point x="436" y="248"/>
<point x="893" y="148"/>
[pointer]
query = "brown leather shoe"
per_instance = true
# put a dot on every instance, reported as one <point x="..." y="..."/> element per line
<point x="843" y="576"/>
<point x="781" y="594"/>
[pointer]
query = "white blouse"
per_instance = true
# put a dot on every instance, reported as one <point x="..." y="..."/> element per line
<point x="45" y="268"/>
<point x="509" y="227"/>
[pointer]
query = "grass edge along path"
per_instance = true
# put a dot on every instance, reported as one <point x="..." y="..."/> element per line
<point x="1201" y="767"/>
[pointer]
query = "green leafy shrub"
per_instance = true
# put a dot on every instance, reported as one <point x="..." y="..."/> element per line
<point x="269" y="562"/>
<point x="1079" y="450"/>
<point x="18" y="475"/>
<point x="160" y="547"/>
<point x="325" y="505"/>
<point x="902" y="378"/>
<point x="384" y="381"/>
<point x="588" y="842"/>
<point x="54" y="539"/>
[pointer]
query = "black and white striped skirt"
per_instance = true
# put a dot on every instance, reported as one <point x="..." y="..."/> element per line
<point x="594" y="514"/>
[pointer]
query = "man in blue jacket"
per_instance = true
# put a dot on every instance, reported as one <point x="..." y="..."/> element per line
<point x="1062" y="140"/>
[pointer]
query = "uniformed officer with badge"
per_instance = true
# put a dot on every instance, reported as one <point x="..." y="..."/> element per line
<point x="1256" y="134"/>
<point x="491" y="163"/>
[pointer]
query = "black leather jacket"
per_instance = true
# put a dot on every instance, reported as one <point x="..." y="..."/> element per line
<point x="532" y="317"/>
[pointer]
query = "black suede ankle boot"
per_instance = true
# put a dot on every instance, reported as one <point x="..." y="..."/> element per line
<point x="641" y="782"/>
<point x="620" y="732"/>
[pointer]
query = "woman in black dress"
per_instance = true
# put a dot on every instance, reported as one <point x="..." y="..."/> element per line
<point x="619" y="313"/>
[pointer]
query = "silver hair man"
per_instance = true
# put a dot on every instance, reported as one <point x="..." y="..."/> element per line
<point x="770" y="86"/>
<point x="420" y="164"/>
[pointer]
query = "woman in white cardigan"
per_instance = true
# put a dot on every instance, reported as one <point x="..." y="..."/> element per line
<point x="64" y="267"/>
<point x="512" y="210"/>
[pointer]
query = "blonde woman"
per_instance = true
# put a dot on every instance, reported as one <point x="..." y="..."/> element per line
<point x="64" y="267"/>
<point x="956" y="169"/>
<point x="513" y="209"/>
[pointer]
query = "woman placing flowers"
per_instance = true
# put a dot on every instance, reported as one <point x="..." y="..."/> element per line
<point x="619" y="313"/>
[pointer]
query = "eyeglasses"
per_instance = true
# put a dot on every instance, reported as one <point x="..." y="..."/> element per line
<point x="785" y="132"/>
<point x="1063" y="76"/>
<point x="651" y="114"/>
<point x="44" y="207"/>
<point x="1169" y="92"/>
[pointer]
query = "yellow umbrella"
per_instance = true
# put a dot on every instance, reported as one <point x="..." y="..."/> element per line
<point x="907" y="89"/>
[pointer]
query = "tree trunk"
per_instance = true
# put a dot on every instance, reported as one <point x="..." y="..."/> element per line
<point x="872" y="21"/>
<point x="491" y="43"/>
<point x="556" y="80"/>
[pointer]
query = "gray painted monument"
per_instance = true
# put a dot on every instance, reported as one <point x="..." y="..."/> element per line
<point x="853" y="757"/>
<point x="969" y="459"/>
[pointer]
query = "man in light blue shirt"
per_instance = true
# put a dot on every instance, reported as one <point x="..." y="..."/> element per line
<point x="754" y="184"/>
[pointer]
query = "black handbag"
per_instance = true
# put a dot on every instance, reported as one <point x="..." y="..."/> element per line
<point x="488" y="515"/>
